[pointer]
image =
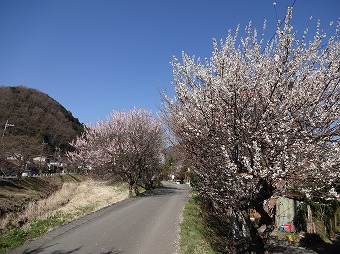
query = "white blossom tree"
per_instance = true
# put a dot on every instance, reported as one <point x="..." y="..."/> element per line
<point x="257" y="118"/>
<point x="127" y="143"/>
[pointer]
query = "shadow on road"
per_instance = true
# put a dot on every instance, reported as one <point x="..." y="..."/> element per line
<point x="44" y="250"/>
<point x="315" y="243"/>
<point x="166" y="189"/>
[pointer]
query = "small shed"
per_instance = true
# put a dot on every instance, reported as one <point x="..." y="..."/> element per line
<point x="286" y="208"/>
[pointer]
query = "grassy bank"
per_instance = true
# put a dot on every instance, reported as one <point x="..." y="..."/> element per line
<point x="195" y="235"/>
<point x="72" y="201"/>
<point x="36" y="227"/>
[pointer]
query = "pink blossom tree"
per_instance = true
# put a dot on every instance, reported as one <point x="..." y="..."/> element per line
<point x="127" y="143"/>
<point x="258" y="118"/>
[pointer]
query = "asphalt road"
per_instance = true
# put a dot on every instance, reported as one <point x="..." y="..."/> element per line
<point x="144" y="225"/>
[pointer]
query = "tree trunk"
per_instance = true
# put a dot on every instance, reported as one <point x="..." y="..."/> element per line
<point x="259" y="239"/>
<point x="130" y="188"/>
<point x="135" y="187"/>
<point x="256" y="242"/>
<point x="130" y="191"/>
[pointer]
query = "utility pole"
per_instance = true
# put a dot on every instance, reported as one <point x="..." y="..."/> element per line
<point x="56" y="154"/>
<point x="2" y="138"/>
<point x="41" y="154"/>
<point x="2" y="155"/>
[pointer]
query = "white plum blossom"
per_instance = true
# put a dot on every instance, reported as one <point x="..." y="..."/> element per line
<point x="258" y="118"/>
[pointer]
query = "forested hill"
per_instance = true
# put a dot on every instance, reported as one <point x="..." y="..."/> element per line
<point x="37" y="119"/>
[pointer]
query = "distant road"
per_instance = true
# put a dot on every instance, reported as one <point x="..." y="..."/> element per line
<point x="144" y="225"/>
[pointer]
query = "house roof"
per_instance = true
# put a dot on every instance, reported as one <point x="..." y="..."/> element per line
<point x="289" y="195"/>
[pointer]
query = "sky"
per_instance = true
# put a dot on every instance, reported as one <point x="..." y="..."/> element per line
<point x="96" y="56"/>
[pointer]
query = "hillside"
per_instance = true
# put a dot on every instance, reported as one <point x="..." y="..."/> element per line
<point x="40" y="123"/>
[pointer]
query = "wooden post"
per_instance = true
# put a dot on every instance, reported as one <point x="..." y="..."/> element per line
<point x="310" y="224"/>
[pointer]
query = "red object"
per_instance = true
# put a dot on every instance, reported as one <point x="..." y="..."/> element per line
<point x="288" y="227"/>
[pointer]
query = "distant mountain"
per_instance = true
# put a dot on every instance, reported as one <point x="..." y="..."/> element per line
<point x="40" y="123"/>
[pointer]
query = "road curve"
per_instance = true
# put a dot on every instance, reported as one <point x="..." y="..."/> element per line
<point x="144" y="225"/>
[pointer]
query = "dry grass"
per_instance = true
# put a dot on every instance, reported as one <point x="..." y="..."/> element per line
<point x="56" y="200"/>
<point x="93" y="195"/>
<point x="73" y="199"/>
